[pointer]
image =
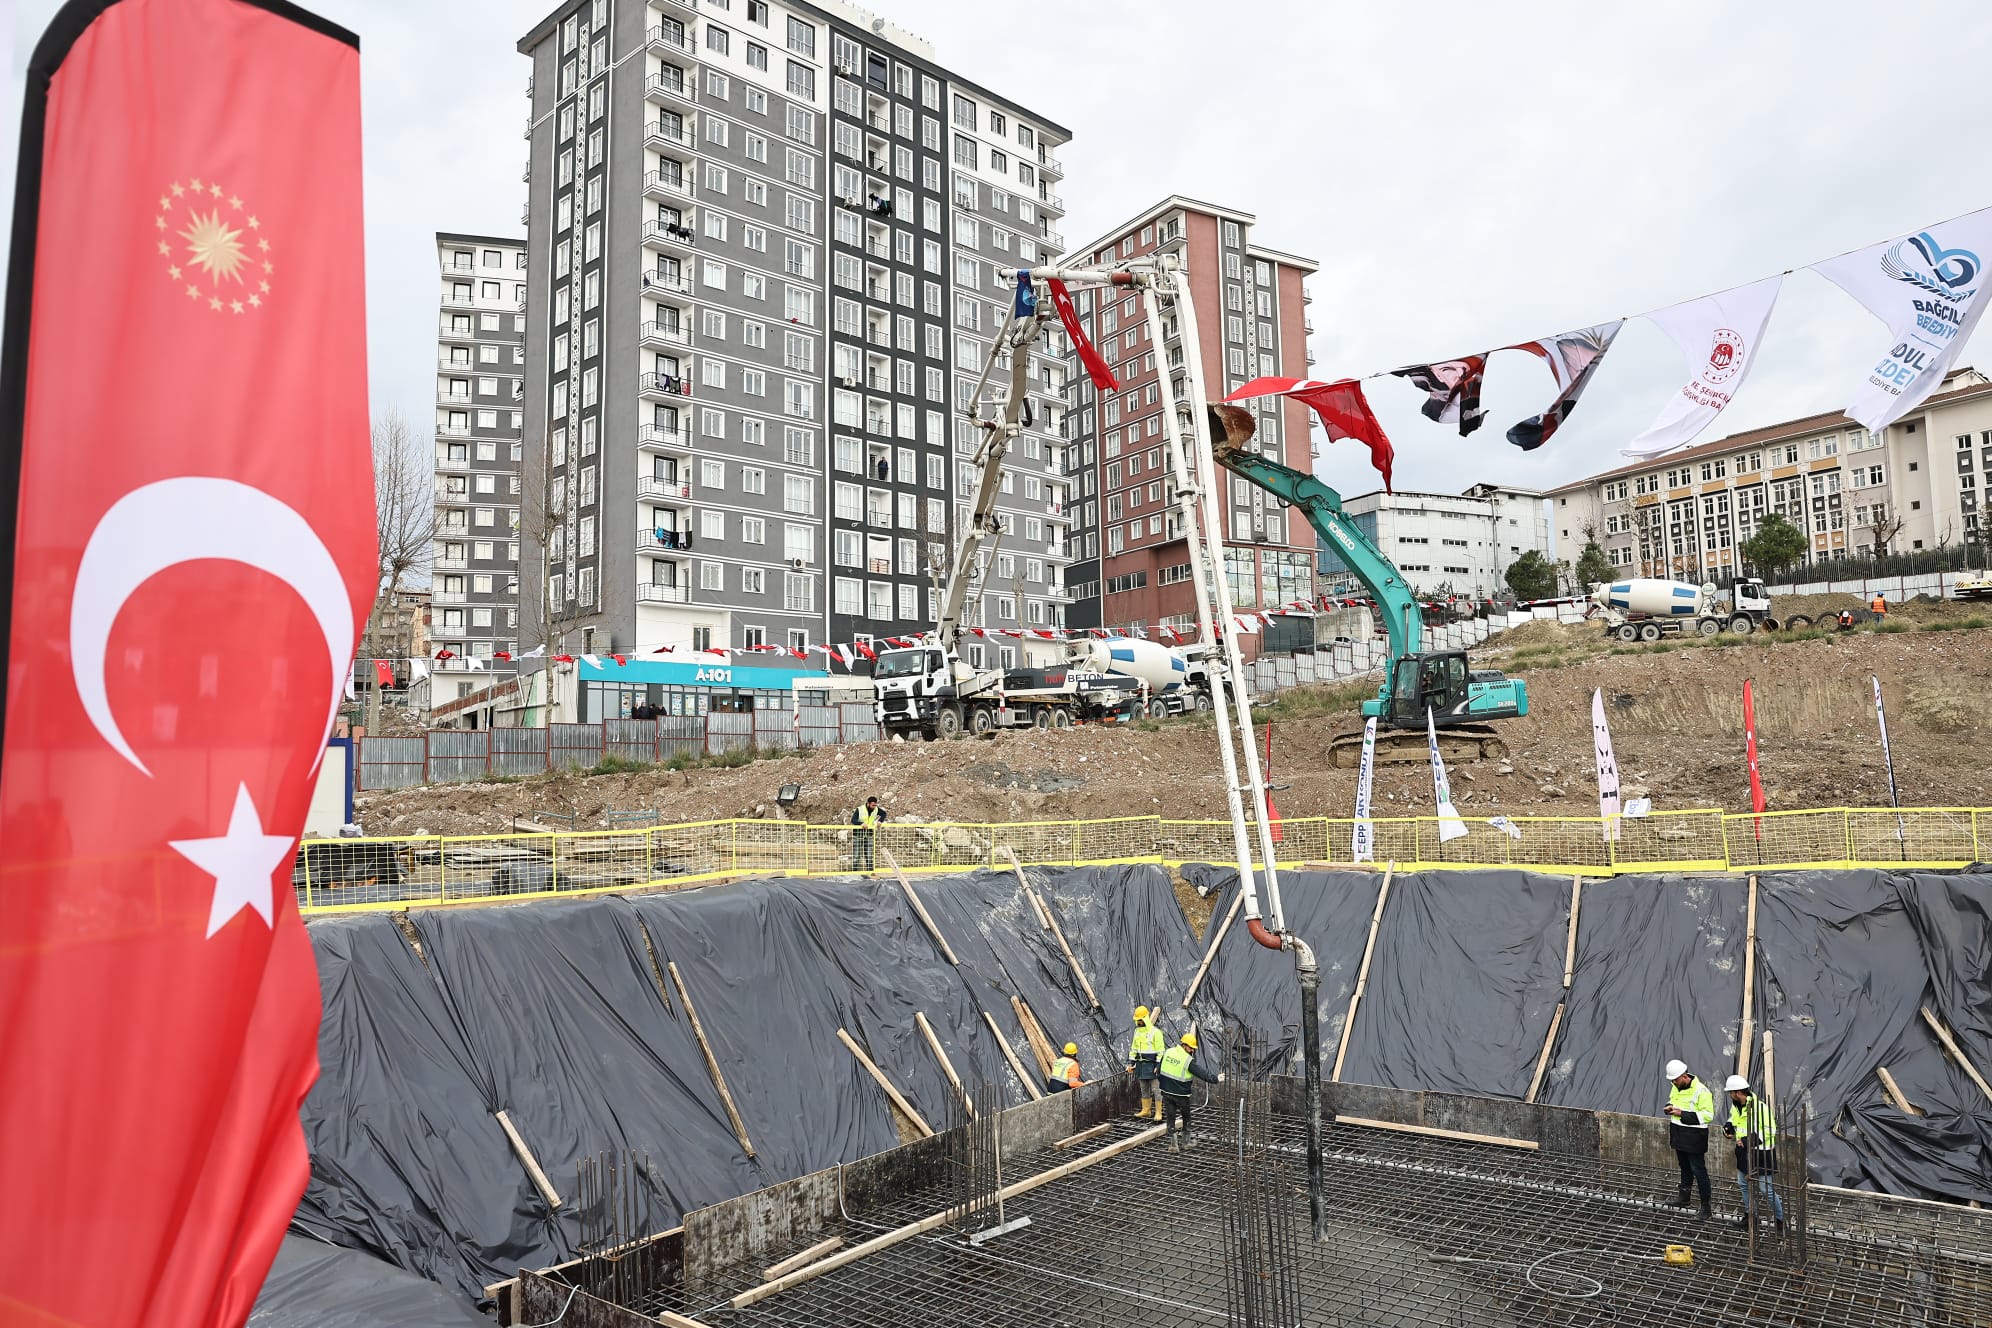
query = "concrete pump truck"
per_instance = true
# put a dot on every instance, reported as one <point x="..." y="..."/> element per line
<point x="1461" y="699"/>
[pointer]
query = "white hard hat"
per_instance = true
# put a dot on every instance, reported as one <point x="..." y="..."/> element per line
<point x="1675" y="1069"/>
<point x="1735" y="1082"/>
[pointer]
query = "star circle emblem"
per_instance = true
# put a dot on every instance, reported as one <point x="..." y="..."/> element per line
<point x="212" y="248"/>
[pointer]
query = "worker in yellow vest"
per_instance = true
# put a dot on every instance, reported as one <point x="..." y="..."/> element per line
<point x="1754" y="1127"/>
<point x="1176" y="1072"/>
<point x="1144" y="1055"/>
<point x="865" y="822"/>
<point x="1690" y="1110"/>
<point x="1064" y="1076"/>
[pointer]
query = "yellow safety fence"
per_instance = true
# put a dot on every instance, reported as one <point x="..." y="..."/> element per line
<point x="345" y="875"/>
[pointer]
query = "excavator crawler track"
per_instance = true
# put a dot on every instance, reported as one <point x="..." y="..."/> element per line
<point x="1462" y="742"/>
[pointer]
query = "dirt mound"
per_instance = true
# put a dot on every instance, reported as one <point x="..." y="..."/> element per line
<point x="1675" y="710"/>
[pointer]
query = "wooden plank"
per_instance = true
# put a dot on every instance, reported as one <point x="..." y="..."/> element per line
<point x="1433" y="1131"/>
<point x="1362" y="975"/>
<point x="1034" y="1035"/>
<point x="1072" y="960"/>
<point x="1748" y="1025"/>
<point x="1570" y="947"/>
<point x="672" y="1319"/>
<point x="1542" y="1061"/>
<point x="897" y="1098"/>
<point x="919" y="909"/>
<point x="1768" y="1090"/>
<point x="539" y="1179"/>
<point x="1210" y="951"/>
<point x="1950" y="1045"/>
<point x="712" y="1061"/>
<point x="899" y="1235"/>
<point x="1083" y="1135"/>
<point x="1010" y="1055"/>
<point x="1037" y="905"/>
<point x="1896" y="1097"/>
<point x="802" y="1260"/>
<point x="947" y="1066"/>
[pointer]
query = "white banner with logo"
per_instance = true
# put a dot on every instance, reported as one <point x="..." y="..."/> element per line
<point x="1608" y="770"/>
<point x="1929" y="288"/>
<point x="1719" y="335"/>
<point x="1362" y="843"/>
<point x="1450" y="826"/>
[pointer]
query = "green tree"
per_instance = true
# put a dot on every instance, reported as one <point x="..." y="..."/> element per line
<point x="1778" y="544"/>
<point x="1532" y="576"/>
<point x="1593" y="567"/>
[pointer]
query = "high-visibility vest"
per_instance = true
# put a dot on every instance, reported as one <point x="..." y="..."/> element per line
<point x="1696" y="1098"/>
<point x="1176" y="1064"/>
<point x="1754" y="1117"/>
<point x="1880" y="605"/>
<point x="1148" y="1041"/>
<point x="868" y="819"/>
<point x="1067" y="1069"/>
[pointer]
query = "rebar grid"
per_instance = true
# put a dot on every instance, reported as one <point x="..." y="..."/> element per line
<point x="1421" y="1232"/>
<point x="612" y="1199"/>
<point x="976" y="1161"/>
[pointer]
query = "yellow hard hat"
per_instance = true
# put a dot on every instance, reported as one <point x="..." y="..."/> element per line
<point x="1141" y="1012"/>
<point x="1072" y="1048"/>
<point x="1190" y="1041"/>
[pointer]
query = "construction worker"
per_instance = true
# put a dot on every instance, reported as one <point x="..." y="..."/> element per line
<point x="1064" y="1076"/>
<point x="1754" y="1127"/>
<point x="1175" y="1072"/>
<point x="866" y="820"/>
<point x="1144" y="1054"/>
<point x="1690" y="1110"/>
<point x="1879" y="605"/>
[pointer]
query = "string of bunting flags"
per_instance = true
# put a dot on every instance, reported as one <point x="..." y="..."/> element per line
<point x="1925" y="287"/>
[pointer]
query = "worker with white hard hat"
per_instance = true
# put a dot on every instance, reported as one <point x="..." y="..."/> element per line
<point x="1754" y="1127"/>
<point x="1690" y="1110"/>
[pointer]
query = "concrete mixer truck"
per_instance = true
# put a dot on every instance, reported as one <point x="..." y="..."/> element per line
<point x="1648" y="608"/>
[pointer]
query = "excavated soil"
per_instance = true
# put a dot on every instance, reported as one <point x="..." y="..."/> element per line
<point x="1675" y="712"/>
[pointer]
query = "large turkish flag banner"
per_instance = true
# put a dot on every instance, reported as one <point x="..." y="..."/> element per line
<point x="184" y="465"/>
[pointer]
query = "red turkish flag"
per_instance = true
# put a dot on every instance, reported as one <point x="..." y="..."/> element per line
<point x="384" y="671"/>
<point x="1343" y="409"/>
<point x="187" y="235"/>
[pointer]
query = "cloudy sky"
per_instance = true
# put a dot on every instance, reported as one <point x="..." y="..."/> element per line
<point x="1467" y="175"/>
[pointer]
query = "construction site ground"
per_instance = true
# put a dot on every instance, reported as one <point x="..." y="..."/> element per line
<point x="1675" y="710"/>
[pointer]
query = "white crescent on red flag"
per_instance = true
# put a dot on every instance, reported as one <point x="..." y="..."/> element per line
<point x="187" y="211"/>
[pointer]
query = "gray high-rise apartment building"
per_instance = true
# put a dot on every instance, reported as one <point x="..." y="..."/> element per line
<point x="750" y="226"/>
<point x="480" y="363"/>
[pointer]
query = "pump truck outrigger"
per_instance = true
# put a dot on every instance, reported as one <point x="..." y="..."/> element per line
<point x="1460" y="698"/>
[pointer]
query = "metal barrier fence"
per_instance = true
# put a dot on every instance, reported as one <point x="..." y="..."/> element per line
<point x="338" y="875"/>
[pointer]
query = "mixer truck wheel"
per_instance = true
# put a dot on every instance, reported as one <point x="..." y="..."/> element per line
<point x="1158" y="710"/>
<point x="948" y="722"/>
<point x="1649" y="632"/>
<point x="1203" y="702"/>
<point x="1708" y="627"/>
<point x="1061" y="718"/>
<point x="980" y="720"/>
<point x="1628" y="633"/>
<point x="1040" y="717"/>
<point x="1742" y="625"/>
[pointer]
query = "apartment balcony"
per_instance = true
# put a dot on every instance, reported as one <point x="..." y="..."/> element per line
<point x="654" y="489"/>
<point x="653" y="592"/>
<point x="463" y="366"/>
<point x="449" y="563"/>
<point x="459" y="302"/>
<point x="663" y="540"/>
<point x="1053" y="240"/>
<point x="683" y="10"/>
<point x="663" y="387"/>
<point x="453" y="466"/>
<point x="657" y="438"/>
<point x="453" y="400"/>
<point x="447" y="431"/>
<point x="661" y="137"/>
<point x="663" y="336"/>
<point x="664" y="90"/>
<point x="460" y="271"/>
<point x="452" y="497"/>
<point x="660" y="187"/>
<point x="1048" y="199"/>
<point x="1050" y="165"/>
<point x="664" y="237"/>
<point x="448" y="597"/>
<point x="660" y="283"/>
<point x="663" y="41"/>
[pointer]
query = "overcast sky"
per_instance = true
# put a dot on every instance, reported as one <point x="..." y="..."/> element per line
<point x="1467" y="175"/>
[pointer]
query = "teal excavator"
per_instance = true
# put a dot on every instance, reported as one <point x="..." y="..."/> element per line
<point x="1460" y="699"/>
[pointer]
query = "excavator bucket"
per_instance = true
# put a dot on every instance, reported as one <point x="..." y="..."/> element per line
<point x="1231" y="427"/>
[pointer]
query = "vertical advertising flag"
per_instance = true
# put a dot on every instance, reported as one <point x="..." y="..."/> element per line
<point x="1929" y="288"/>
<point x="1362" y="843"/>
<point x="187" y="235"/>
<point x="1450" y="826"/>
<point x="1750" y="755"/>
<point x="1608" y="771"/>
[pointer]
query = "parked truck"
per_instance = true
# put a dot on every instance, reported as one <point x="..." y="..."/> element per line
<point x="1648" y="608"/>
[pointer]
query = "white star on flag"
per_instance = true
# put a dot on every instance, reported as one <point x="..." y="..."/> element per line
<point x="241" y="861"/>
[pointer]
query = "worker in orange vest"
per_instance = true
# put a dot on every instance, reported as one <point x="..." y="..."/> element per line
<point x="1064" y="1076"/>
<point x="1880" y="605"/>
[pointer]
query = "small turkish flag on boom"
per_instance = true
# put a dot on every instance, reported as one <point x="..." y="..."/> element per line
<point x="187" y="208"/>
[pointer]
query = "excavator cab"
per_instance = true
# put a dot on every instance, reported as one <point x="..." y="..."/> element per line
<point x="1437" y="680"/>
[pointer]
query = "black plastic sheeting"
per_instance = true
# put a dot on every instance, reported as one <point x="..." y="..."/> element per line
<point x="315" y="1285"/>
<point x="1468" y="972"/>
<point x="562" y="1015"/>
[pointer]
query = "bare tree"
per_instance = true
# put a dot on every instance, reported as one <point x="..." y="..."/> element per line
<point x="405" y="528"/>
<point x="1883" y="527"/>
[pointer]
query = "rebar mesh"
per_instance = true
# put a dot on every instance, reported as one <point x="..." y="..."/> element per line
<point x="612" y="1198"/>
